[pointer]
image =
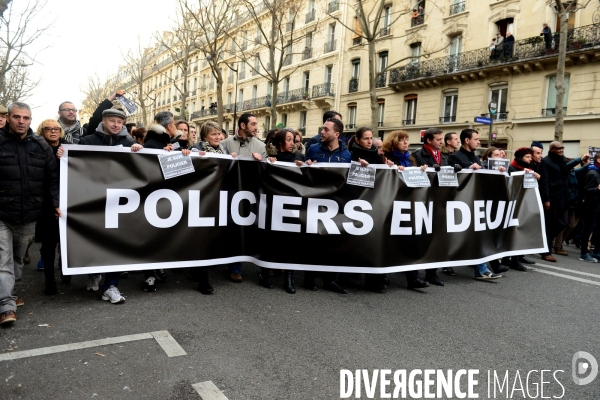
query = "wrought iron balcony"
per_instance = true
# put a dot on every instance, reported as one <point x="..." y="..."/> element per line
<point x="310" y="17"/>
<point x="381" y="80"/>
<point x="287" y="60"/>
<point x="196" y="114"/>
<point x="408" y="122"/>
<point x="445" y="120"/>
<point x="323" y="90"/>
<point x="292" y="95"/>
<point x="520" y="50"/>
<point x="550" y="112"/>
<point x="457" y="8"/>
<point x="307" y="54"/>
<point x="385" y="31"/>
<point x="330" y="46"/>
<point x="353" y="86"/>
<point x="501" y="116"/>
<point x="259" y="102"/>
<point x="333" y="6"/>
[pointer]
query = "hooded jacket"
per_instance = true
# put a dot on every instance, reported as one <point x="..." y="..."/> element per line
<point x="99" y="138"/>
<point x="29" y="174"/>
<point x="321" y="153"/>
<point x="156" y="137"/>
<point x="592" y="194"/>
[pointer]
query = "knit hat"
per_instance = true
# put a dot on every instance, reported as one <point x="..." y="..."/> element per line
<point x="537" y="144"/>
<point x="522" y="152"/>
<point x="113" y="112"/>
<point x="3" y="110"/>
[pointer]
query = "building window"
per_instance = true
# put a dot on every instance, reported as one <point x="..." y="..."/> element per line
<point x="449" y="106"/>
<point x="328" y="73"/>
<point x="455" y="50"/>
<point x="381" y="112"/>
<point x="351" y="116"/>
<point x="303" y="115"/>
<point x="267" y="122"/>
<point x="410" y="109"/>
<point x="499" y="96"/>
<point x="356" y="68"/>
<point x="550" y="109"/>
<point x="254" y="92"/>
<point x="305" y="82"/>
<point x="284" y="120"/>
<point x="415" y="52"/>
<point x="386" y="21"/>
<point x="382" y="65"/>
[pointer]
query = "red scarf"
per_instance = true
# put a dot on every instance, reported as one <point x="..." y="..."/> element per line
<point x="517" y="166"/>
<point x="438" y="158"/>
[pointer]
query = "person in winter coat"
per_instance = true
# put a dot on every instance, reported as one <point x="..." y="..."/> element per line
<point x="210" y="140"/>
<point x="591" y="212"/>
<point x="46" y="229"/>
<point x="29" y="175"/>
<point x="97" y="116"/>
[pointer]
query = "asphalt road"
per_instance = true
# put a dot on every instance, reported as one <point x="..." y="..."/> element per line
<point x="254" y="343"/>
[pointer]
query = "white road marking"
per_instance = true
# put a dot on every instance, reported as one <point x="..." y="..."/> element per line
<point x="573" y="278"/>
<point x="168" y="344"/>
<point x="164" y="339"/>
<point x="208" y="391"/>
<point x="569" y="270"/>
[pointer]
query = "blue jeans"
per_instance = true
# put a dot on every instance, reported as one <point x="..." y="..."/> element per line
<point x="235" y="268"/>
<point x="14" y="239"/>
<point x="481" y="269"/>
<point x="111" y="279"/>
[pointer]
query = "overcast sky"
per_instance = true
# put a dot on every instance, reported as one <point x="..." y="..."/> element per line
<point x="87" y="37"/>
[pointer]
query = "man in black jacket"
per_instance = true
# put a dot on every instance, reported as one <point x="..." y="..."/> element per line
<point x="591" y="212"/>
<point x="554" y="193"/>
<point x="29" y="175"/>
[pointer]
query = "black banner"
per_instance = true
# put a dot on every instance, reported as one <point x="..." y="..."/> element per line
<point x="119" y="213"/>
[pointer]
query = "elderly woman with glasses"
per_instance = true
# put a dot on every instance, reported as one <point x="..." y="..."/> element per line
<point x="46" y="230"/>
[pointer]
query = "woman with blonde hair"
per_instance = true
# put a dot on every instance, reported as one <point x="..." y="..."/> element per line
<point x="46" y="229"/>
<point x="210" y="140"/>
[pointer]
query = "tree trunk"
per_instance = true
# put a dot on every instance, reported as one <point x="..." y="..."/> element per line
<point x="560" y="76"/>
<point x="220" y="99"/>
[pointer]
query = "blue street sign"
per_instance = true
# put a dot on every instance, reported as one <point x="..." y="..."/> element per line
<point x="483" y="120"/>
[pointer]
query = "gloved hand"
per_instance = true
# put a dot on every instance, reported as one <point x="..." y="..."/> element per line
<point x="457" y="167"/>
<point x="437" y="167"/>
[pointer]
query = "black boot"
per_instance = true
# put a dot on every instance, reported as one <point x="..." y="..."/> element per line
<point x="498" y="268"/>
<point x="309" y="281"/>
<point x="203" y="282"/>
<point x="264" y="280"/>
<point x="431" y="277"/>
<point x="516" y="265"/>
<point x="505" y="261"/>
<point x="288" y="282"/>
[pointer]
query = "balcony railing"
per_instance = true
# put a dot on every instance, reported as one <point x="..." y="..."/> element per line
<point x="408" y="122"/>
<point x="259" y="102"/>
<point x="324" y="89"/>
<point x="501" y="116"/>
<point x="333" y="6"/>
<point x="385" y="31"/>
<point x="353" y="86"/>
<point x="287" y="60"/>
<point x="307" y="54"/>
<point x="521" y="50"/>
<point x="457" y="8"/>
<point x="310" y="17"/>
<point x="450" y="118"/>
<point x="330" y="46"/>
<point x="550" y="112"/>
<point x="381" y="80"/>
<point x="292" y="95"/>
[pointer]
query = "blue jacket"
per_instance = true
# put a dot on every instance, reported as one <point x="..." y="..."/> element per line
<point x="320" y="153"/>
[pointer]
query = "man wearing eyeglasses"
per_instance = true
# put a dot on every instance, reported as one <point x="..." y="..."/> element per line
<point x="29" y="175"/>
<point x="67" y="118"/>
<point x="553" y="183"/>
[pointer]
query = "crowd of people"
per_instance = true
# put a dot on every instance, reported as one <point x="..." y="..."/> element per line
<point x="29" y="189"/>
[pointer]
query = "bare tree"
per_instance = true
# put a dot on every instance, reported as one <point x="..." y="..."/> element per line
<point x="214" y="21"/>
<point x="138" y="67"/>
<point x="374" y="20"/>
<point x="18" y="32"/>
<point x="276" y="36"/>
<point x="563" y="9"/>
<point x="3" y="6"/>
<point x="96" y="91"/>
<point x="181" y="44"/>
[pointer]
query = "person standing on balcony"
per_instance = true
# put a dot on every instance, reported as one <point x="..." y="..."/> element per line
<point x="547" y="34"/>
<point x="499" y="45"/>
<point x="509" y="44"/>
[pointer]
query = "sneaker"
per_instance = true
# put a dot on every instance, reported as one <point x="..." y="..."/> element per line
<point x="19" y="302"/>
<point x="149" y="285"/>
<point x="113" y="294"/>
<point x="40" y="265"/>
<point x="7" y="317"/>
<point x="596" y="256"/>
<point x="93" y="283"/>
<point x="487" y="276"/>
<point x="588" y="258"/>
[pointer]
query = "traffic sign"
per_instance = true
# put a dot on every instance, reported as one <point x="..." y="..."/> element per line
<point x="483" y="120"/>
